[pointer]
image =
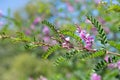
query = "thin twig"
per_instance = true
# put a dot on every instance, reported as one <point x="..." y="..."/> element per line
<point x="108" y="52"/>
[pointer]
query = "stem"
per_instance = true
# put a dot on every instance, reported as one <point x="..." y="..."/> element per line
<point x="108" y="52"/>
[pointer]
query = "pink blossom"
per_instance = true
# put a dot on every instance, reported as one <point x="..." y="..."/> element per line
<point x="83" y="34"/>
<point x="32" y="26"/>
<point x="37" y="20"/>
<point x="30" y="78"/>
<point x="107" y="30"/>
<point x="94" y="31"/>
<point x="67" y="39"/>
<point x="112" y="65"/>
<point x="42" y="78"/>
<point x="70" y="7"/>
<point x="88" y="45"/>
<point x="65" y="45"/>
<point x="46" y="30"/>
<point x="76" y="1"/>
<point x="97" y="1"/>
<point x="106" y="58"/>
<point x="28" y="32"/>
<point x="46" y="39"/>
<point x="87" y="21"/>
<point x="101" y="20"/>
<point x="45" y="48"/>
<point x="1" y="23"/>
<point x="1" y="13"/>
<point x="54" y="42"/>
<point x="118" y="65"/>
<point x="95" y="76"/>
<point x="86" y="38"/>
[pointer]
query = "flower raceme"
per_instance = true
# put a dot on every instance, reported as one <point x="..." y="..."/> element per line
<point x="86" y="38"/>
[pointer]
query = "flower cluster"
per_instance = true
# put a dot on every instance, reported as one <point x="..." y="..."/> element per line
<point x="86" y="38"/>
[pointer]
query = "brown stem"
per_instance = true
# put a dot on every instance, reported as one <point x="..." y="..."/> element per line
<point x="108" y="52"/>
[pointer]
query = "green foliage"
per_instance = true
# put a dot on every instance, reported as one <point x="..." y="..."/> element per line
<point x="67" y="56"/>
<point x="71" y="34"/>
<point x="115" y="8"/>
<point x="51" y="50"/>
<point x="100" y="30"/>
<point x="59" y="60"/>
<point x="69" y="27"/>
<point x="24" y="66"/>
<point x="3" y="35"/>
<point x="114" y="44"/>
<point x="103" y="64"/>
<point x="51" y="26"/>
<point x="89" y="55"/>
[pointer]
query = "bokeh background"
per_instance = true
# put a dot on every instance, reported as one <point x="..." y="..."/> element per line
<point x="18" y="63"/>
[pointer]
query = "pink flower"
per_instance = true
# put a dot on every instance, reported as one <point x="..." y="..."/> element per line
<point x="83" y="34"/>
<point x="46" y="39"/>
<point x="106" y="58"/>
<point x="76" y="1"/>
<point x="118" y="65"/>
<point x="32" y="26"/>
<point x="67" y="39"/>
<point x="66" y="44"/>
<point x="42" y="78"/>
<point x="112" y="65"/>
<point x="70" y="7"/>
<point x="107" y="30"/>
<point x="28" y="32"/>
<point x="95" y="76"/>
<point x="46" y="30"/>
<point x="87" y="21"/>
<point x="54" y="42"/>
<point x="101" y="20"/>
<point x="86" y="38"/>
<point x="1" y="13"/>
<point x="37" y="20"/>
<point x="94" y="31"/>
<point x="88" y="45"/>
<point x="1" y="23"/>
<point x="30" y="78"/>
<point x="97" y="1"/>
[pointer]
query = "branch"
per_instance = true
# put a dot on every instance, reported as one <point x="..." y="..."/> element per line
<point x="108" y="52"/>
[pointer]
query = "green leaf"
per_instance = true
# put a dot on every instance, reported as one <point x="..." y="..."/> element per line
<point x="103" y="64"/>
<point x="66" y="56"/>
<point x="100" y="30"/>
<point x="51" y="50"/>
<point x="115" y="8"/>
<point x="50" y="25"/>
<point x="114" y="44"/>
<point x="88" y="55"/>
